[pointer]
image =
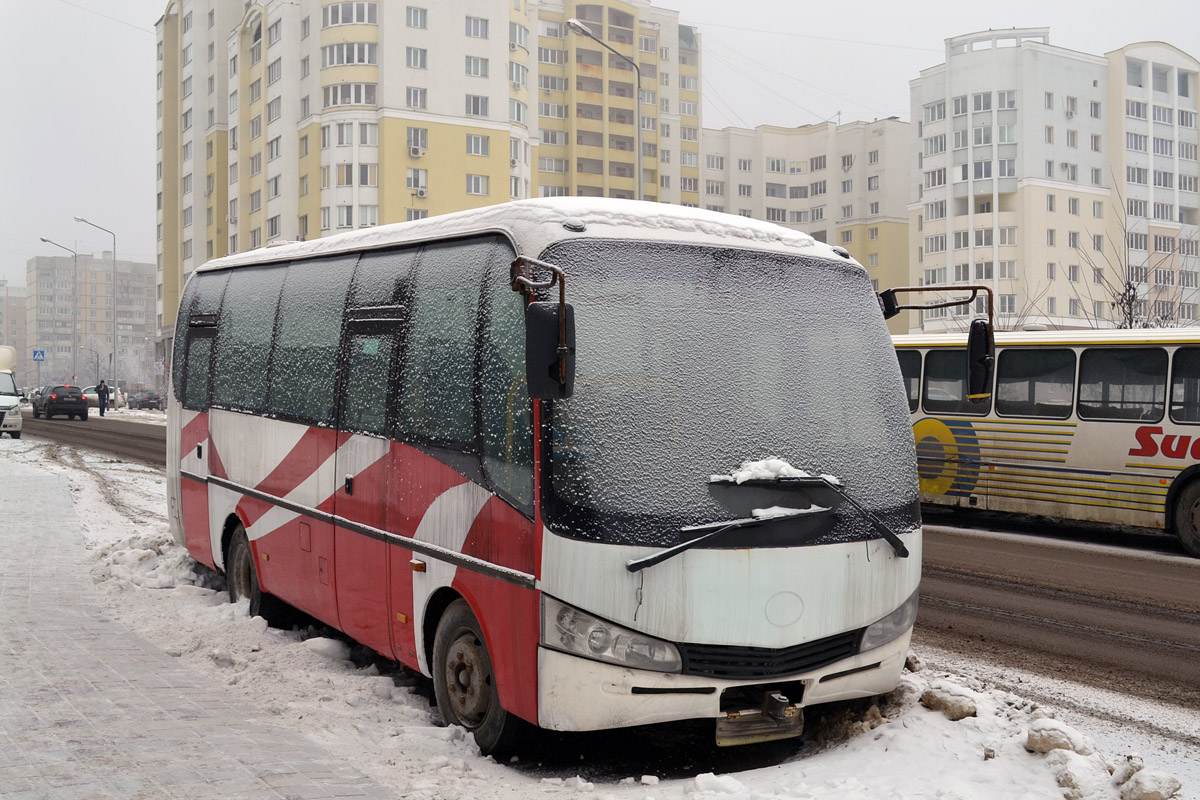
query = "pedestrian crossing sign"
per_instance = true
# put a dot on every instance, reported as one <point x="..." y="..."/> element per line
<point x="39" y="355"/>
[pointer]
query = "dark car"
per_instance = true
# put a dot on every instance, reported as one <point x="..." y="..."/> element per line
<point x="53" y="401"/>
<point x="145" y="400"/>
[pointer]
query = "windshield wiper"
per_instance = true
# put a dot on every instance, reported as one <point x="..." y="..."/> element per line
<point x="713" y="529"/>
<point x="811" y="481"/>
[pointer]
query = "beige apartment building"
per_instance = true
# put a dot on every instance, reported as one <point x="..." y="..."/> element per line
<point x="295" y="119"/>
<point x="71" y="316"/>
<point x="12" y="329"/>
<point x="844" y="184"/>
<point x="1062" y="180"/>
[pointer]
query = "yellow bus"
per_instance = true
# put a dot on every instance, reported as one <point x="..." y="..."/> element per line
<point x="1096" y="425"/>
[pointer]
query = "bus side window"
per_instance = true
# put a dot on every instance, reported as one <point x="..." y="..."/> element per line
<point x="368" y="366"/>
<point x="381" y="276"/>
<point x="506" y="410"/>
<point x="244" y="341"/>
<point x="437" y="397"/>
<point x="945" y="387"/>
<point x="910" y="368"/>
<point x="1122" y="383"/>
<point x="202" y="296"/>
<point x="196" y="367"/>
<point x="1185" y="385"/>
<point x="304" y="360"/>
<point x="1035" y="383"/>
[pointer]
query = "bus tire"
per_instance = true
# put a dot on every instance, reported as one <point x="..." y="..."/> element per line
<point x="241" y="574"/>
<point x="1187" y="518"/>
<point x="464" y="684"/>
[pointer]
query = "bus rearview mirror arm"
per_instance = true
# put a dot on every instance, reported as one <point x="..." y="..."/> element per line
<point x="981" y="344"/>
<point x="549" y="332"/>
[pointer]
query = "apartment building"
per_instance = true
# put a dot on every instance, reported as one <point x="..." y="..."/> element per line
<point x="844" y="184"/>
<point x="12" y="329"/>
<point x="295" y="119"/>
<point x="71" y="316"/>
<point x="1055" y="177"/>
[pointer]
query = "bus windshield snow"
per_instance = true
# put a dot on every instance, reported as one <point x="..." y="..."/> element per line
<point x="690" y="358"/>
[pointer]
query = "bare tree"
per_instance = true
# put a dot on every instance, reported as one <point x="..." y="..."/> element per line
<point x="1124" y="279"/>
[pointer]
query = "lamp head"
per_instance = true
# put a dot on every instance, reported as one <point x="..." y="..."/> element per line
<point x="44" y="239"/>
<point x="80" y="219"/>
<point x="579" y="27"/>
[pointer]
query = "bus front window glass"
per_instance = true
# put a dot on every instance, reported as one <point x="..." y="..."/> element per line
<point x="1122" y="383"/>
<point x="946" y="384"/>
<point x="1035" y="383"/>
<point x="910" y="368"/>
<point x="244" y="340"/>
<point x="692" y="360"/>
<point x="304" y="360"/>
<point x="1185" y="385"/>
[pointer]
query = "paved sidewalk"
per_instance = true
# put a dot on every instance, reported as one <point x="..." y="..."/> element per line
<point x="88" y="709"/>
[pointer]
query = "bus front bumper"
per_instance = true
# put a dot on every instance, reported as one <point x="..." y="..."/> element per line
<point x="577" y="694"/>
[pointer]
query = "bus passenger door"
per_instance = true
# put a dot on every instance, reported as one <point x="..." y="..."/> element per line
<point x="369" y="350"/>
<point x="194" y="447"/>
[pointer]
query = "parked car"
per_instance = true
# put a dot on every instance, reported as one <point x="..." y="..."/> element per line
<point x="147" y="399"/>
<point x="63" y="400"/>
<point x="116" y="399"/>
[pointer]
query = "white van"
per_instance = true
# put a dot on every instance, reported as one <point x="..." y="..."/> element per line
<point x="10" y="395"/>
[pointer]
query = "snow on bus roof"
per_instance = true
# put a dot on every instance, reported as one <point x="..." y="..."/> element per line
<point x="540" y="222"/>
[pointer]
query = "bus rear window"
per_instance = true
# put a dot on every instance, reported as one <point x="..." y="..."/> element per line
<point x="1122" y="383"/>
<point x="1035" y="383"/>
<point x="1185" y="385"/>
<point x="946" y="384"/>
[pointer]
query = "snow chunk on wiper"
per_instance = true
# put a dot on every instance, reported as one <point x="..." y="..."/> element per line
<point x="776" y="512"/>
<point x="768" y="469"/>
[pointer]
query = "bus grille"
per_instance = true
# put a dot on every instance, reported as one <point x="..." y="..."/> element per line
<point x="723" y="661"/>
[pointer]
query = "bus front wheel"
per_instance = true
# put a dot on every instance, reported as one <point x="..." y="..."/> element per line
<point x="1187" y="518"/>
<point x="464" y="683"/>
<point x="242" y="576"/>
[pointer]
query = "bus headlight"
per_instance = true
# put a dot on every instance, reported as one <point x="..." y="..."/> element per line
<point x="890" y="627"/>
<point x="579" y="633"/>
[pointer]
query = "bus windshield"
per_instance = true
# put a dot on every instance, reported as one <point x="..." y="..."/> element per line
<point x="692" y="360"/>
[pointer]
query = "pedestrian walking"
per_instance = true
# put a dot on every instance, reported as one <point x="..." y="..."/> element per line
<point x="102" y="396"/>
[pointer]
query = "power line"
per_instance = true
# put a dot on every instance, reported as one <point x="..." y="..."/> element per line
<point x="750" y="78"/>
<point x="703" y="25"/>
<point x="729" y="112"/>
<point x="106" y="16"/>
<point x="863" y="103"/>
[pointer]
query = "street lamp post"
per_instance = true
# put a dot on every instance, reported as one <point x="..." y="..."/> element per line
<point x="584" y="30"/>
<point x="74" y="298"/>
<point x="96" y="357"/>
<point x="116" y="334"/>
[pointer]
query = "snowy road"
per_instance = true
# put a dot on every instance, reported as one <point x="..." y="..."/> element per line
<point x="379" y="719"/>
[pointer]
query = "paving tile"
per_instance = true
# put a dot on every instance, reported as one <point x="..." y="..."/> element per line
<point x="88" y="709"/>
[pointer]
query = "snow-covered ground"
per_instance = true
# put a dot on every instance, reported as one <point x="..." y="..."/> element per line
<point x="380" y="720"/>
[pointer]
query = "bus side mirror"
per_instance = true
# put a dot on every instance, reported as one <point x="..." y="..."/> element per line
<point x="981" y="361"/>
<point x="549" y="350"/>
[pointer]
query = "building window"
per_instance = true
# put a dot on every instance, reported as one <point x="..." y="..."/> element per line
<point x="478" y="145"/>
<point x="417" y="17"/>
<point x="477" y="184"/>
<point x="415" y="97"/>
<point x="478" y="29"/>
<point x="476" y="105"/>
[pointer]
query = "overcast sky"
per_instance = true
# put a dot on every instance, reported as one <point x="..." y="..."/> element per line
<point x="77" y="124"/>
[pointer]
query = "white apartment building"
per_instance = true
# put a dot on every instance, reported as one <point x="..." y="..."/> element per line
<point x="843" y="184"/>
<point x="1035" y="172"/>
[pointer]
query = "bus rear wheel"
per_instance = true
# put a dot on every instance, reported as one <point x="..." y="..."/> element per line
<point x="464" y="683"/>
<point x="1187" y="518"/>
<point x="242" y="577"/>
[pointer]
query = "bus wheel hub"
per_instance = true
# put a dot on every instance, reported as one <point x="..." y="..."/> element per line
<point x="467" y="681"/>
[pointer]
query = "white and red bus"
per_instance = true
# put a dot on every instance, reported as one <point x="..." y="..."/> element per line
<point x="1093" y="425"/>
<point x="713" y="515"/>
